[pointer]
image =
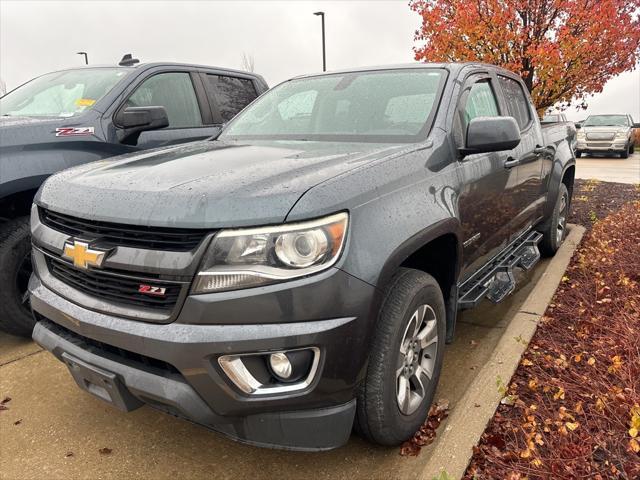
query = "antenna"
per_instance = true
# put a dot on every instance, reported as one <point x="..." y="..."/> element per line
<point x="128" y="61"/>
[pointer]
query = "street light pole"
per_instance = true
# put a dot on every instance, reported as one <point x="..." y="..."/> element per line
<point x="86" y="57"/>
<point x="324" y="55"/>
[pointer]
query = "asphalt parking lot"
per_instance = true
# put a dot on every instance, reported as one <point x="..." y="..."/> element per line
<point x="606" y="169"/>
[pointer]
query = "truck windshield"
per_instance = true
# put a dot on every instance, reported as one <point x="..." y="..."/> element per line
<point x="61" y="94"/>
<point x="606" y="121"/>
<point x="374" y="106"/>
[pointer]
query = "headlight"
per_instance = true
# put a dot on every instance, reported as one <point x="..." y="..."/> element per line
<point x="581" y="135"/>
<point x="259" y="256"/>
<point x="621" y="134"/>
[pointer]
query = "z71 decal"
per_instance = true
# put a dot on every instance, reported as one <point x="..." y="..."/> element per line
<point x="74" y="131"/>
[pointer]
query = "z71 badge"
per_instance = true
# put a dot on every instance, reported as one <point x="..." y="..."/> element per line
<point x="152" y="290"/>
<point x="74" y="131"/>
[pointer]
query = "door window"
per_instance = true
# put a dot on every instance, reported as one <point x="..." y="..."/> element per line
<point x="480" y="102"/>
<point x="517" y="102"/>
<point x="230" y="94"/>
<point x="173" y="91"/>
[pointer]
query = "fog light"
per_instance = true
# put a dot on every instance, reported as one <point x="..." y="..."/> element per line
<point x="280" y="365"/>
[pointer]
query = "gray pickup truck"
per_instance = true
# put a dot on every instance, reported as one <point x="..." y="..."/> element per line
<point x="302" y="272"/>
<point x="75" y="116"/>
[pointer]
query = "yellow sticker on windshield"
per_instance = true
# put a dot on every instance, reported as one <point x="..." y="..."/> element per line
<point x="85" y="102"/>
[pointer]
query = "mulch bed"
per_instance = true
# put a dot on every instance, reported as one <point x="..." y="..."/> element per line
<point x="574" y="409"/>
<point x="594" y="200"/>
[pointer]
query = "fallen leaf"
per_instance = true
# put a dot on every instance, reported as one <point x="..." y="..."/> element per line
<point x="559" y="395"/>
<point x="18" y="422"/>
<point x="105" y="451"/>
<point x="616" y="363"/>
<point x="68" y="454"/>
<point x="526" y="362"/>
<point x="5" y="400"/>
<point x="572" y="425"/>
<point x="591" y="361"/>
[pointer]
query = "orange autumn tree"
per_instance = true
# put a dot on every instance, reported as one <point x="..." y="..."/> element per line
<point x="565" y="50"/>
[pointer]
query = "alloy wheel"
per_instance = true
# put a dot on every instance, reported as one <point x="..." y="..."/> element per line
<point x="416" y="359"/>
<point x="562" y="220"/>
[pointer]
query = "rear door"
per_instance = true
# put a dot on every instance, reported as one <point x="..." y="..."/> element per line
<point x="182" y="95"/>
<point x="526" y="160"/>
<point x="485" y="201"/>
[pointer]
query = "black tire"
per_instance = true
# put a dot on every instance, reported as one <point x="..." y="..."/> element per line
<point x="625" y="154"/>
<point x="555" y="229"/>
<point x="578" y="154"/>
<point x="15" y="269"/>
<point x="632" y="147"/>
<point x="379" y="418"/>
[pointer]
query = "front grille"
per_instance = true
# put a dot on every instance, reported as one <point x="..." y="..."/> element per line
<point x="601" y="136"/>
<point x="113" y="287"/>
<point x="136" y="236"/>
<point x="105" y="350"/>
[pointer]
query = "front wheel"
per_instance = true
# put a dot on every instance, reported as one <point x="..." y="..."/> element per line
<point x="578" y="154"/>
<point x="625" y="154"/>
<point x="15" y="270"/>
<point x="405" y="360"/>
<point x="555" y="229"/>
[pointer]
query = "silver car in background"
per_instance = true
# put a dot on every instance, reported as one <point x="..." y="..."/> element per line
<point x="609" y="134"/>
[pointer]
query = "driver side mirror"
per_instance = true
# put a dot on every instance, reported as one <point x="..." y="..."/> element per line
<point x="491" y="134"/>
<point x="135" y="120"/>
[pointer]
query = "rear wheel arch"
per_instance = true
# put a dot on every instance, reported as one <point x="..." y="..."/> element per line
<point x="568" y="178"/>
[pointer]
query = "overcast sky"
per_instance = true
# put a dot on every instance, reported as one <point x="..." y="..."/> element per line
<point x="283" y="37"/>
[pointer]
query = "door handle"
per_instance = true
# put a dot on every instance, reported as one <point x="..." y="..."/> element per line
<point x="540" y="150"/>
<point x="511" y="162"/>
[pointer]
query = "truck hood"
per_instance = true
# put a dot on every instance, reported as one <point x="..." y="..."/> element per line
<point x="207" y="184"/>
<point x="605" y="129"/>
<point x="22" y="131"/>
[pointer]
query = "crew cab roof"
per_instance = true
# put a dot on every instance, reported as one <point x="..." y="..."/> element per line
<point x="453" y="67"/>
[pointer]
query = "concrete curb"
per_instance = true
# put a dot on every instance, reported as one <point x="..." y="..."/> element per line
<point x="468" y="420"/>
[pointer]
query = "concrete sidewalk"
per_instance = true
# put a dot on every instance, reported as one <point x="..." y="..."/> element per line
<point x="53" y="430"/>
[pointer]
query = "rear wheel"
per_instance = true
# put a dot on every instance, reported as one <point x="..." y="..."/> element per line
<point x="405" y="360"/>
<point x="555" y="230"/>
<point x="15" y="270"/>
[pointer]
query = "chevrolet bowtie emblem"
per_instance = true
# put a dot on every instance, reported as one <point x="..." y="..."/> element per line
<point x="82" y="255"/>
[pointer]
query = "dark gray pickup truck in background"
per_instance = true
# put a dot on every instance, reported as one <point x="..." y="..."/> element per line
<point x="301" y="273"/>
<point x="75" y="116"/>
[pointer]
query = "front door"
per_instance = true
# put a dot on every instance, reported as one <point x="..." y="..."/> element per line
<point x="486" y="201"/>
<point x="176" y="93"/>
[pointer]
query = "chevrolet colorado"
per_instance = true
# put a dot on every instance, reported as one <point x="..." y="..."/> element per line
<point x="74" y="116"/>
<point x="302" y="272"/>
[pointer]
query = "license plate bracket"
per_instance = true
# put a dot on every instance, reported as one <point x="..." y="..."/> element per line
<point x="101" y="383"/>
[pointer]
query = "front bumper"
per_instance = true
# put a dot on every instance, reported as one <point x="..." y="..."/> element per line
<point x="614" y="146"/>
<point x="174" y="366"/>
